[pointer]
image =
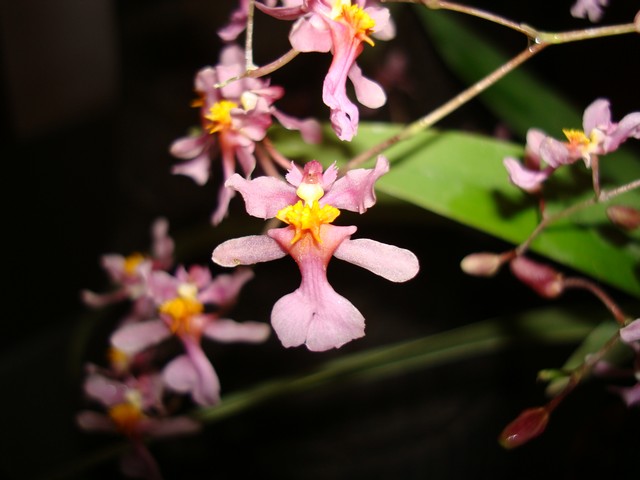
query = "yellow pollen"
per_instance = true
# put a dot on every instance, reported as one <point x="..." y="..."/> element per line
<point x="307" y="218"/>
<point x="132" y="261"/>
<point x="579" y="140"/>
<point x="356" y="18"/>
<point x="220" y="115"/>
<point x="126" y="416"/>
<point x="181" y="310"/>
<point x="117" y="358"/>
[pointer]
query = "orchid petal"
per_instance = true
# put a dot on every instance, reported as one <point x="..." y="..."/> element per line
<point x="354" y="191"/>
<point x="247" y="251"/>
<point x="187" y="148"/>
<point x="369" y="93"/>
<point x="226" y="287"/>
<point x="597" y="115"/>
<point x="390" y="262"/>
<point x="263" y="196"/>
<point x="197" y="169"/>
<point x="225" y="330"/>
<point x="528" y="180"/>
<point x="319" y="318"/>
<point x="631" y="333"/>
<point x="135" y="337"/>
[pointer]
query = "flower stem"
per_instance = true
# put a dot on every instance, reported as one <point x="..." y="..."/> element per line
<point x="453" y="104"/>
<point x="538" y="41"/>
<point x="604" y="196"/>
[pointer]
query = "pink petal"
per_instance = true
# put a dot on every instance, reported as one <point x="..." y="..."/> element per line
<point x="224" y="330"/>
<point x="390" y="262"/>
<point x="197" y="169"/>
<point x="193" y="373"/>
<point x="354" y="191"/>
<point x="310" y="35"/>
<point x="384" y="29"/>
<point x="309" y="128"/>
<point x="169" y="427"/>
<point x="631" y="333"/>
<point x="629" y="126"/>
<point x="95" y="422"/>
<point x="226" y="287"/>
<point x="107" y="391"/>
<point x="555" y="153"/>
<point x="263" y="196"/>
<point x="283" y="13"/>
<point x="247" y="251"/>
<point x="597" y="115"/>
<point x="368" y="92"/>
<point x="162" y="244"/>
<point x="528" y="180"/>
<point x="187" y="148"/>
<point x="135" y="337"/>
<point x="315" y="315"/>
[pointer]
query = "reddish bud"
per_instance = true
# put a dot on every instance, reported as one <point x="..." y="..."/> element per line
<point x="624" y="217"/>
<point x="529" y="424"/>
<point x="481" y="264"/>
<point x="544" y="280"/>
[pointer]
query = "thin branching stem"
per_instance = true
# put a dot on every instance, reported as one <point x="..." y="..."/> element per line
<point x="603" y="197"/>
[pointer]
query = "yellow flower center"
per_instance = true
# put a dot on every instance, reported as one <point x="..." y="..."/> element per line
<point x="356" y="18"/>
<point x="118" y="359"/>
<point x="219" y="115"/>
<point x="307" y="218"/>
<point x="181" y="310"/>
<point x="578" y="139"/>
<point x="126" y="416"/>
<point x="132" y="261"/>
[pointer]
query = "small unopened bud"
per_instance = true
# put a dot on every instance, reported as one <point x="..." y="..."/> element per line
<point x="624" y="217"/>
<point x="529" y="424"/>
<point x="544" y="280"/>
<point x="481" y="264"/>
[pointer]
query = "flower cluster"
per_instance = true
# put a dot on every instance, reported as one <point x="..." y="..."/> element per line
<point x="234" y="119"/>
<point x="186" y="303"/>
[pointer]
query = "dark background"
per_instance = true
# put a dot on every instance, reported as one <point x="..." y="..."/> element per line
<point x="94" y="93"/>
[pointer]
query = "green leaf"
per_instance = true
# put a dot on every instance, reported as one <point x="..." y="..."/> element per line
<point x="460" y="176"/>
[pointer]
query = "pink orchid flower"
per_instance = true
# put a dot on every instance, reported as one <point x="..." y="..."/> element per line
<point x="182" y="301"/>
<point x="233" y="118"/>
<point x="339" y="27"/>
<point x="600" y="136"/>
<point x="630" y="394"/>
<point x="314" y="314"/>
<point x="130" y="273"/>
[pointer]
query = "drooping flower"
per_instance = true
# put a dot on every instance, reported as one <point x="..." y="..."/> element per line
<point x="593" y="9"/>
<point x="181" y="301"/>
<point x="314" y="314"/>
<point x="130" y="273"/>
<point x="339" y="27"/>
<point x="233" y="117"/>
<point x="600" y="136"/>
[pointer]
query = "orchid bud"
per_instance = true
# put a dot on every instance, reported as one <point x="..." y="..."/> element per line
<point x="529" y="424"/>
<point x="544" y="280"/>
<point x="481" y="264"/>
<point x="624" y="217"/>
